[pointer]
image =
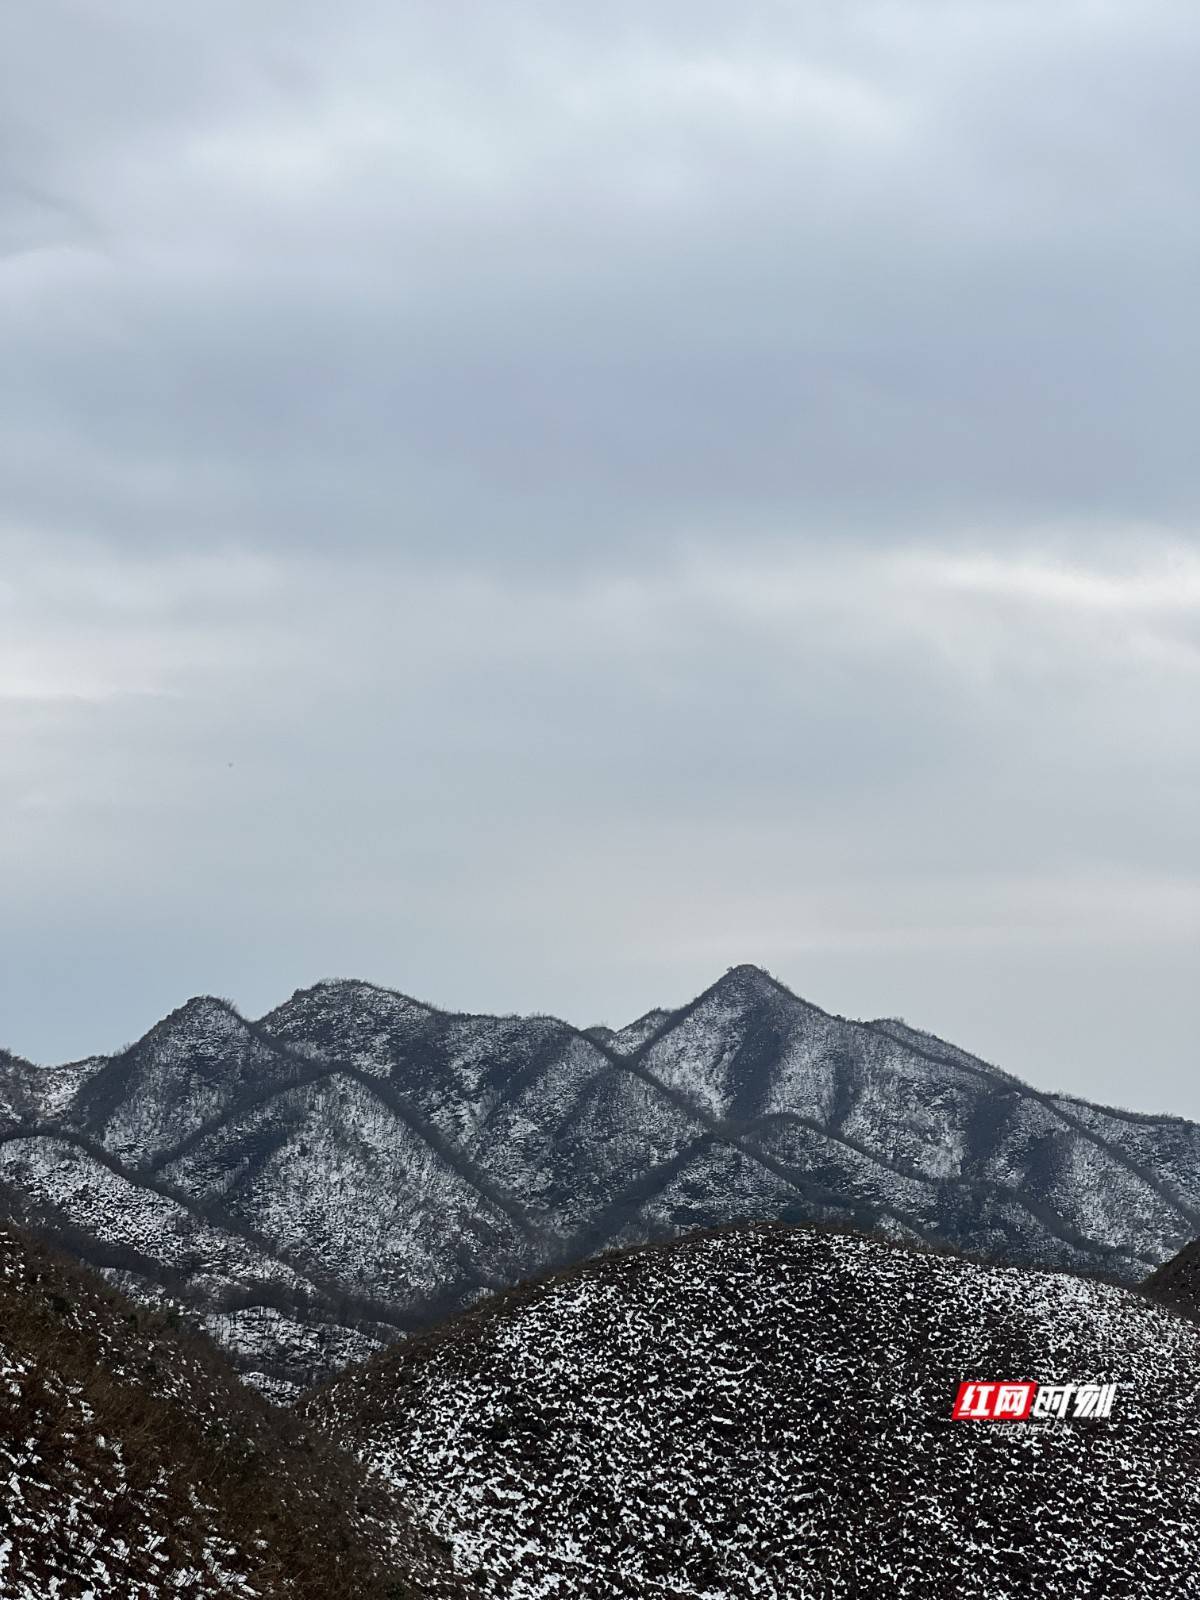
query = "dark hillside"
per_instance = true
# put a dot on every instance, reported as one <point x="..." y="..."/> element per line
<point x="135" y="1465"/>
<point x="1177" y="1282"/>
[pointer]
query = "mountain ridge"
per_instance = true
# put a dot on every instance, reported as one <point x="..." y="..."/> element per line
<point x="883" y="1025"/>
<point x="459" y="1151"/>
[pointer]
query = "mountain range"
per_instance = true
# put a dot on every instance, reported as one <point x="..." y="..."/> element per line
<point x="356" y="1164"/>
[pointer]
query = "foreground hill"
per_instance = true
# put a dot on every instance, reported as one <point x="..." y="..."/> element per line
<point x="766" y="1412"/>
<point x="134" y="1465"/>
<point x="356" y="1164"/>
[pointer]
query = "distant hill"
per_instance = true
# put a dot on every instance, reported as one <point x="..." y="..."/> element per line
<point x="765" y="1412"/>
<point x="133" y="1465"/>
<point x="356" y="1163"/>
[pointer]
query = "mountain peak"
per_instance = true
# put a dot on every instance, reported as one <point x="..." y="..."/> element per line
<point x="205" y="1016"/>
<point x="334" y="993"/>
<point x="747" y="982"/>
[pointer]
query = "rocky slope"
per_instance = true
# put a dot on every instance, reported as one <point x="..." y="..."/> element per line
<point x="133" y="1465"/>
<point x="1177" y="1282"/>
<point x="356" y="1163"/>
<point x="766" y="1412"/>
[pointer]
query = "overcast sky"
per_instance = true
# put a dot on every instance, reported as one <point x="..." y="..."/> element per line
<point x="534" y="503"/>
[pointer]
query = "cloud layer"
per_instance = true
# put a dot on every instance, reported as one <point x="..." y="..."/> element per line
<point x="532" y="504"/>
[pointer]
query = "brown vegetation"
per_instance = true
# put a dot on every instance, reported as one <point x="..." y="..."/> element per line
<point x="138" y="1457"/>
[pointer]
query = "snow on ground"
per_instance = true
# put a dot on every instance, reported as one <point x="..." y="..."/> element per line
<point x="766" y="1413"/>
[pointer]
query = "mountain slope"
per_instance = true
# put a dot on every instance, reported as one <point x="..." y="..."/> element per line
<point x="357" y="1163"/>
<point x="133" y="1465"/>
<point x="1177" y="1282"/>
<point x="766" y="1412"/>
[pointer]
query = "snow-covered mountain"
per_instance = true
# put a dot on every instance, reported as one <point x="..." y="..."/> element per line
<point x="134" y="1465"/>
<point x="766" y="1412"/>
<point x="357" y="1163"/>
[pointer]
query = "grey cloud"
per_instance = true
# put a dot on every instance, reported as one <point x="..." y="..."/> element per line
<point x="512" y="436"/>
<point x="506" y="280"/>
